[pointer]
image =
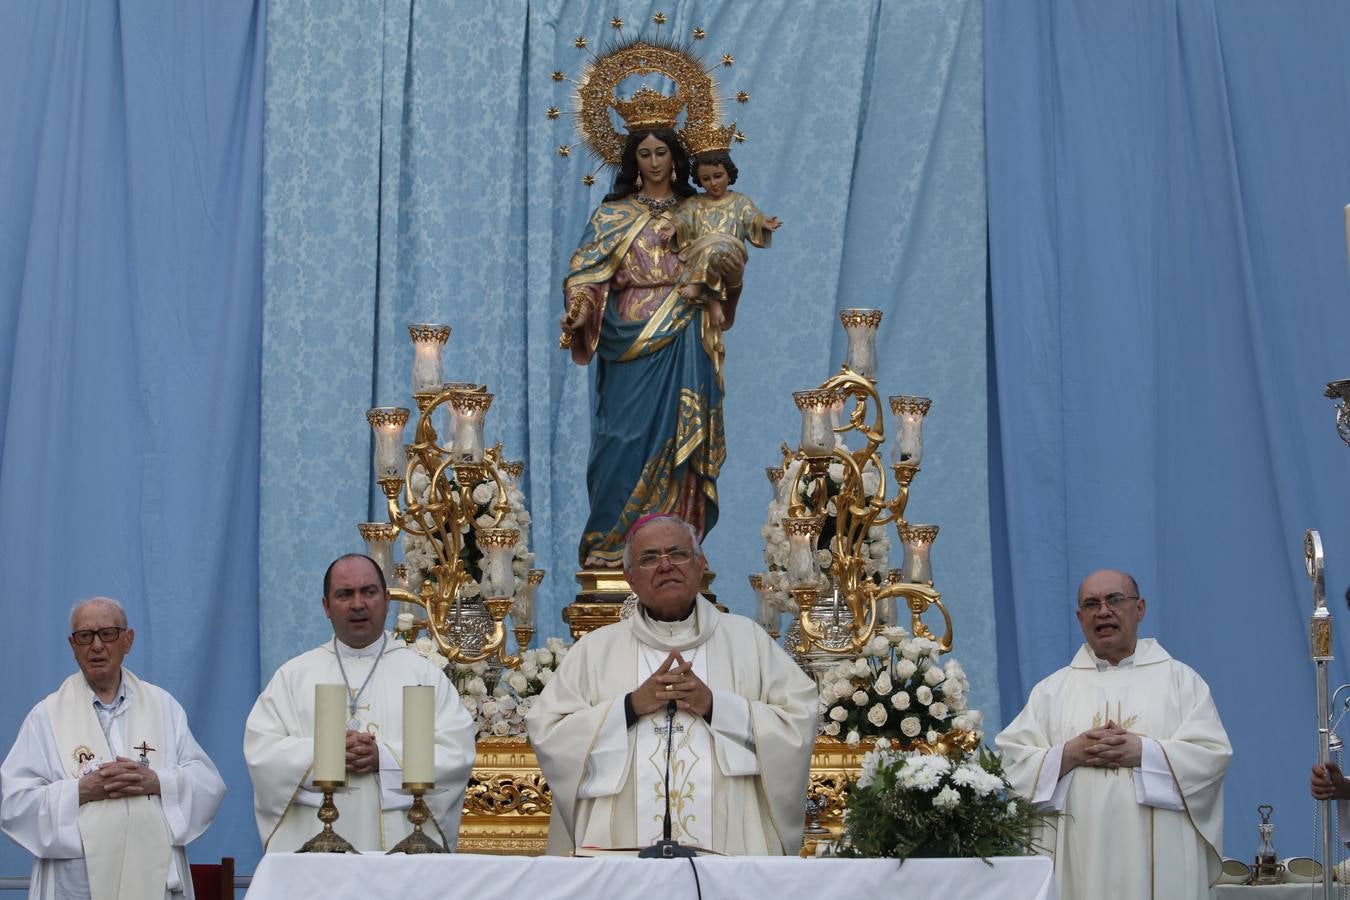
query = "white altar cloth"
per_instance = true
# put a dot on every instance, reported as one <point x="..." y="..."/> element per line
<point x="290" y="876"/>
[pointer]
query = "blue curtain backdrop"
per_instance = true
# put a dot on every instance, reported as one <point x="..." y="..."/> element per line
<point x="1168" y="269"/>
<point x="412" y="175"/>
<point x="130" y="314"/>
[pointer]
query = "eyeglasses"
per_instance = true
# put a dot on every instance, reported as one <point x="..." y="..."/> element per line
<point x="677" y="557"/>
<point x="1115" y="601"/>
<point x="85" y="637"/>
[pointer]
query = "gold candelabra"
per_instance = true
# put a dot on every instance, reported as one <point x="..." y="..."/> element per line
<point x="827" y="486"/>
<point x="435" y="493"/>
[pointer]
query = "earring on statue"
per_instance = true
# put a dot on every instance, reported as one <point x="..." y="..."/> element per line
<point x="638" y="183"/>
<point x="672" y="176"/>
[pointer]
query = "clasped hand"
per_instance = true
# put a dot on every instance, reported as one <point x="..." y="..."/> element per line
<point x="117" y="779"/>
<point x="1107" y="747"/>
<point x="363" y="755"/>
<point x="1328" y="783"/>
<point x="674" y="680"/>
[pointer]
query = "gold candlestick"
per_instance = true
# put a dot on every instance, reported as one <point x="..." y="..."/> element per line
<point x="328" y="840"/>
<point x="418" y="841"/>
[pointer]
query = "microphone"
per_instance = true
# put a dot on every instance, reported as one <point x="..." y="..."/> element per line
<point x="666" y="848"/>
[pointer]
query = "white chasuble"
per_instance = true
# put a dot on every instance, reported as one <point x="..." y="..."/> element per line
<point x="1121" y="833"/>
<point x="372" y="808"/>
<point x="738" y="784"/>
<point x="129" y="847"/>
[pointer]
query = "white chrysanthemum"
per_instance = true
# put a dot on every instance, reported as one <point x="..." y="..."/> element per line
<point x="947" y="798"/>
<point x="967" y="775"/>
<point x="877" y="715"/>
<point x="989" y="783"/>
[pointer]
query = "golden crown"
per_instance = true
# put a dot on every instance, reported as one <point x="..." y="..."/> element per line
<point x="706" y="138"/>
<point x="648" y="110"/>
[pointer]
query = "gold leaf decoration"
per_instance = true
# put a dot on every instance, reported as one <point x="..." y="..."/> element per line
<point x="727" y="59"/>
<point x="553" y="112"/>
<point x="699" y="34"/>
<point x="588" y="180"/>
<point x="740" y="137"/>
<point x="581" y="42"/>
<point x="659" y="18"/>
<point x="742" y="96"/>
<point x="564" y="150"/>
<point x="559" y="75"/>
<point x="616" y="23"/>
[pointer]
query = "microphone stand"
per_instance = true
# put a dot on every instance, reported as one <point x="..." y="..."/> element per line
<point x="666" y="848"/>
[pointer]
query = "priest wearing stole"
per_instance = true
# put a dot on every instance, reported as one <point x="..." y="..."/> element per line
<point x="105" y="784"/>
<point x="375" y="666"/>
<point x="743" y="727"/>
<point x="1126" y="742"/>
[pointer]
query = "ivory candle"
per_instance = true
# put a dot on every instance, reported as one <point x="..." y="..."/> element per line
<point x="330" y="732"/>
<point x="419" y="702"/>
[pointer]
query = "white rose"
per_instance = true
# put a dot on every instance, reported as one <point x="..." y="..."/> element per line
<point x="485" y="520"/>
<point x="883" y="685"/>
<point x="923" y="694"/>
<point x="424" y="645"/>
<point x="938" y="711"/>
<point x="861" y="668"/>
<point x="853" y="739"/>
<point x="860" y="698"/>
<point x="555" y="645"/>
<point x="501" y="729"/>
<point x="838" y="713"/>
<point x="490" y="708"/>
<point x="529" y="670"/>
<point x="543" y="658"/>
<point x="824" y="558"/>
<point x="900" y="700"/>
<point x="476" y="687"/>
<point x="961" y="722"/>
<point x="470" y="704"/>
<point x="484" y="493"/>
<point x="879" y="646"/>
<point x="837" y="472"/>
<point x="932" y="736"/>
<point x="877" y="715"/>
<point x="894" y="633"/>
<point x="832" y="729"/>
<point x="545" y="675"/>
<point x="518" y="681"/>
<point x="909" y="726"/>
<point x="871" y="481"/>
<point x="934" y="676"/>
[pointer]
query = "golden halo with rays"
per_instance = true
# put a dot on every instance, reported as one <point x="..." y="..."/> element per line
<point x="696" y="91"/>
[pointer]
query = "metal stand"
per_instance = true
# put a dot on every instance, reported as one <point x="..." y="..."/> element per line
<point x="418" y="841"/>
<point x="328" y="840"/>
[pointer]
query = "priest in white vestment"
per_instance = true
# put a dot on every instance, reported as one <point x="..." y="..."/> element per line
<point x="375" y="666"/>
<point x="1126" y="743"/>
<point x="744" y="719"/>
<point x="105" y="784"/>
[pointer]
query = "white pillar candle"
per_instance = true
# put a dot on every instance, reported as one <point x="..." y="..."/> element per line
<point x="330" y="732"/>
<point x="419" y="704"/>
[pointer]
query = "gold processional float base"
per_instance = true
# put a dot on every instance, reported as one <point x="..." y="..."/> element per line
<point x="507" y="805"/>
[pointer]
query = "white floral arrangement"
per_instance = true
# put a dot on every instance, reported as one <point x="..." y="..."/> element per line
<point x="500" y="712"/>
<point x="875" y="548"/>
<point x="899" y="689"/>
<point x="906" y="803"/>
<point x="420" y="556"/>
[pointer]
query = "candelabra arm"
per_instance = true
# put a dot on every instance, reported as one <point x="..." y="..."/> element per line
<point x="920" y="598"/>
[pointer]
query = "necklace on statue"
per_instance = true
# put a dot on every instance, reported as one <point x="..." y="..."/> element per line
<point x="658" y="206"/>
<point x="354" y="697"/>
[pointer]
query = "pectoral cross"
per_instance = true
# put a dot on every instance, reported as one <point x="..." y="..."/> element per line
<point x="144" y="748"/>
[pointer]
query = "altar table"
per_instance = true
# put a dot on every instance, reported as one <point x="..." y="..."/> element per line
<point x="291" y="876"/>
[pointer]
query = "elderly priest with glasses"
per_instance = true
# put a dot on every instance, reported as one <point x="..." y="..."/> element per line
<point x="1125" y="741"/>
<point x="105" y="784"/>
<point x="741" y="718"/>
